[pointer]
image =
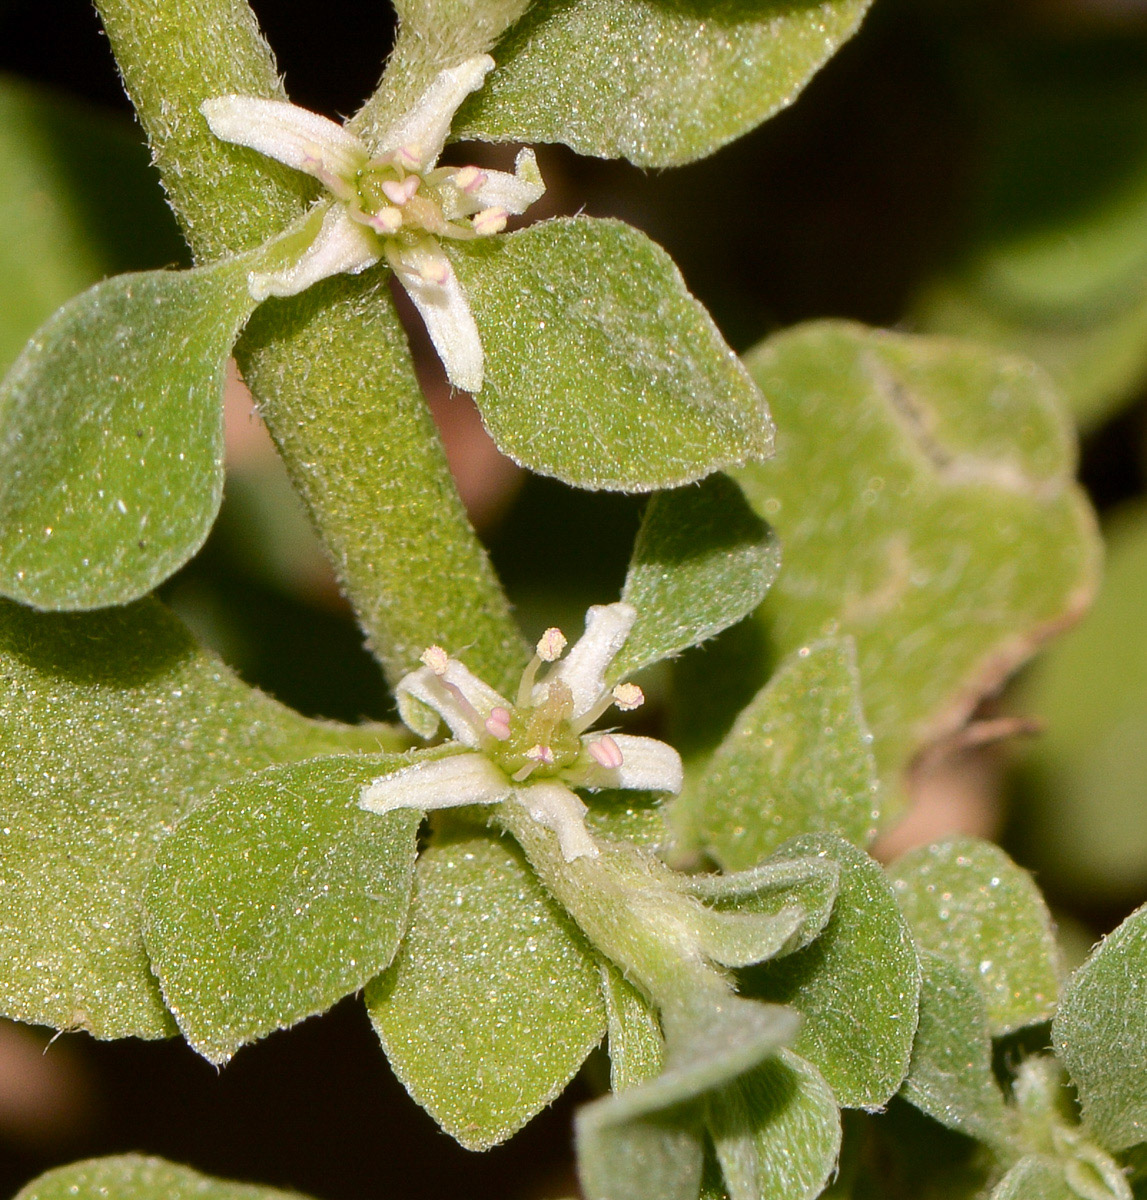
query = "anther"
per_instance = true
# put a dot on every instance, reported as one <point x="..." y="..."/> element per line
<point x="386" y="220"/>
<point x="399" y="193"/>
<point x="436" y="659"/>
<point x="434" y="271"/>
<point x="409" y="157"/>
<point x="470" y="179"/>
<point x="542" y="755"/>
<point x="606" y="752"/>
<point x="490" y="221"/>
<point x="551" y="644"/>
<point x="628" y="696"/>
<point x="498" y="723"/>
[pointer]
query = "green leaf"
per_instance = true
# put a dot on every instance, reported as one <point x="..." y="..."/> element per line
<point x="658" y="1157"/>
<point x="660" y="84"/>
<point x="1080" y="819"/>
<point x="702" y="561"/>
<point x="951" y="1076"/>
<point x="857" y="985"/>
<point x="133" y="1177"/>
<point x="494" y="1000"/>
<point x="1035" y="1177"/>
<point x="799" y="759"/>
<point x="112" y="726"/>
<point x="1100" y="1033"/>
<point x="77" y="203"/>
<point x="923" y="494"/>
<point x="227" y="198"/>
<point x="636" y="1049"/>
<point x="776" y="1131"/>
<point x="252" y="890"/>
<point x="601" y="369"/>
<point x="133" y="369"/>
<point x="969" y="903"/>
<point x="337" y="389"/>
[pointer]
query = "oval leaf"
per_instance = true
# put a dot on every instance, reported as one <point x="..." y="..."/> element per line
<point x="494" y="1000"/>
<point x="702" y="561"/>
<point x="1100" y="1033"/>
<point x="601" y="369"/>
<point x="857" y="985"/>
<point x="968" y="902"/>
<point x="132" y="371"/>
<point x="112" y="726"/>
<point x="659" y="84"/>
<point x="252" y="890"/>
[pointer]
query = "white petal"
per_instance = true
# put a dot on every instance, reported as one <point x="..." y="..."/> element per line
<point x="430" y="282"/>
<point x="583" y="669"/>
<point x="438" y="783"/>
<point x="464" y="705"/>
<point x="553" y="805"/>
<point x="515" y="193"/>
<point x="292" y="135"/>
<point x="646" y="764"/>
<point x="423" y="130"/>
<point x="342" y="247"/>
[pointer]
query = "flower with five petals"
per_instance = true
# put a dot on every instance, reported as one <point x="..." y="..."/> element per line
<point x="533" y="751"/>
<point x="394" y="204"/>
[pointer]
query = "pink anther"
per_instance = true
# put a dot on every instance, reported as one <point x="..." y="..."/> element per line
<point x="605" y="752"/>
<point x="498" y="723"/>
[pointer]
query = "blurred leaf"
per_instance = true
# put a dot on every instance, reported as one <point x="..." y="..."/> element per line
<point x="951" y="1075"/>
<point x="969" y="903"/>
<point x="1100" y="1034"/>
<point x="112" y="726"/>
<point x="601" y="369"/>
<point x="133" y="370"/>
<point x="636" y="1049"/>
<point x="252" y="890"/>
<point x="857" y="985"/>
<point x="1081" y="819"/>
<point x="494" y="1000"/>
<point x="336" y="386"/>
<point x="1035" y="1177"/>
<point x="922" y="491"/>
<point x="776" y="1131"/>
<point x="227" y="198"/>
<point x="655" y="82"/>
<point x="77" y="202"/>
<point x="1056" y="261"/>
<point x="133" y="1177"/>
<point x="799" y="759"/>
<point x="702" y="561"/>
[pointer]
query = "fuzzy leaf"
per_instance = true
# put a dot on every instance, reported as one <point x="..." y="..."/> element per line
<point x="77" y="203"/>
<point x="702" y="561"/>
<point x="951" y="1075"/>
<point x="798" y="759"/>
<point x="636" y="1049"/>
<point x="659" y="84"/>
<point x="857" y="985"/>
<point x="923" y="494"/>
<point x="968" y="902"/>
<point x="1080" y="819"/>
<point x="1100" y="1033"/>
<point x="133" y="1177"/>
<point x="776" y="1131"/>
<point x="112" y="726"/>
<point x="601" y="369"/>
<point x="659" y="1157"/>
<point x="1035" y="1177"/>
<point x="494" y="1000"/>
<point x="133" y="370"/>
<point x="253" y="888"/>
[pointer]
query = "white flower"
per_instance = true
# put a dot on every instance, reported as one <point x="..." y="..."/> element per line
<point x="394" y="204"/>
<point x="536" y="749"/>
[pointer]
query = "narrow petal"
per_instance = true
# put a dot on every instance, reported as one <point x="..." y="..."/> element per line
<point x="515" y="193"/>
<point x="342" y="247"/>
<point x="438" y="783"/>
<point x="583" y="669"/>
<point x="423" y="130"/>
<point x="553" y="805"/>
<point x="292" y="135"/>
<point x="460" y="698"/>
<point x="646" y="764"/>
<point x="428" y="277"/>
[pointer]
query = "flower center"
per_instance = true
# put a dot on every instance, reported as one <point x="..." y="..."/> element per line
<point x="539" y="740"/>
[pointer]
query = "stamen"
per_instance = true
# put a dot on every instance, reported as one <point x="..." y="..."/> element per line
<point x="498" y="723"/>
<point x="399" y="193"/>
<point x="605" y="752"/>
<point x="470" y="179"/>
<point x="436" y="659"/>
<point x="386" y="220"/>
<point x="523" y="773"/>
<point x="490" y="221"/>
<point x="542" y="755"/>
<point x="434" y="271"/>
<point x="628" y="696"/>
<point x="551" y="644"/>
<point x="526" y="687"/>
<point x="409" y="157"/>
